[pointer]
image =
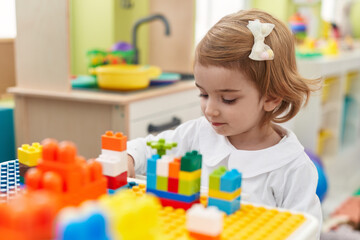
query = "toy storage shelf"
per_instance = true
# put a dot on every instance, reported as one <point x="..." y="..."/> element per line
<point x="330" y="123"/>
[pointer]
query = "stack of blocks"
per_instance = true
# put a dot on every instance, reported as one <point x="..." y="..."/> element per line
<point x="175" y="181"/>
<point x="9" y="180"/>
<point x="28" y="157"/>
<point x="225" y="190"/>
<point x="113" y="159"/>
<point x="65" y="174"/>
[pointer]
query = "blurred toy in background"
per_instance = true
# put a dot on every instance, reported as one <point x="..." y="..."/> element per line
<point x="298" y="27"/>
<point x="120" y="53"/>
<point x="322" y="182"/>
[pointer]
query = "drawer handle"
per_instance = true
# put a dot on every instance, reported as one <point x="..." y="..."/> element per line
<point x="159" y="128"/>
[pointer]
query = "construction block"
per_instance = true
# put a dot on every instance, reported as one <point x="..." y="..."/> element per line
<point x="65" y="174"/>
<point x="161" y="146"/>
<point x="132" y="217"/>
<point x="114" y="142"/>
<point x="151" y="181"/>
<point x="9" y="180"/>
<point x="161" y="183"/>
<point x="112" y="167"/>
<point x="86" y="222"/>
<point x="189" y="176"/>
<point x="199" y="236"/>
<point x="224" y="195"/>
<point x="29" y="155"/>
<point x="173" y="185"/>
<point x="151" y="164"/>
<point x="191" y="161"/>
<point x="189" y="187"/>
<point x="230" y="181"/>
<point x="205" y="221"/>
<point x="215" y="176"/>
<point x="174" y="196"/>
<point x="116" y="182"/>
<point x="113" y="155"/>
<point x="174" y="168"/>
<point x="32" y="215"/>
<point x="228" y="207"/>
<point x="177" y="204"/>
<point x="162" y="167"/>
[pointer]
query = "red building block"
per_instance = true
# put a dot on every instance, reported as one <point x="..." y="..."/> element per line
<point x="114" y="142"/>
<point x="199" y="236"/>
<point x="177" y="204"/>
<point x="173" y="184"/>
<point x="117" y="182"/>
<point x="64" y="173"/>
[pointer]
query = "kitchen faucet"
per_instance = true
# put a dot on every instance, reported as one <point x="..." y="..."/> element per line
<point x="136" y="26"/>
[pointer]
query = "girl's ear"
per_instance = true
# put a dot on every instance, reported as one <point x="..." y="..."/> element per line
<point x="271" y="103"/>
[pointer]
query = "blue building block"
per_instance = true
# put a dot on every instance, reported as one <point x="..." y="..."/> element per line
<point x="151" y="164"/>
<point x="151" y="181"/>
<point x="174" y="196"/>
<point x="229" y="207"/>
<point x="7" y="134"/>
<point x="230" y="181"/>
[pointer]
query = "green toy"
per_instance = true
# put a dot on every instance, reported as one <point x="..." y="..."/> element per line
<point x="161" y="146"/>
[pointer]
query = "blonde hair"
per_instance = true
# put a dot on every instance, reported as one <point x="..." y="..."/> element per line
<point x="228" y="44"/>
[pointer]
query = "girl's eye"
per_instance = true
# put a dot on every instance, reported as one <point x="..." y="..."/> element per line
<point x="229" y="101"/>
<point x="202" y="95"/>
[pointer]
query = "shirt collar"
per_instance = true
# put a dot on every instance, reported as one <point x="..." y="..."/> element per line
<point x="216" y="148"/>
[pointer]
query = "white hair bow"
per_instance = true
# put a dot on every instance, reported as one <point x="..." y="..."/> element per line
<point x="260" y="51"/>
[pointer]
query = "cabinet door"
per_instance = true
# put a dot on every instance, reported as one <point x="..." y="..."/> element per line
<point x="162" y="112"/>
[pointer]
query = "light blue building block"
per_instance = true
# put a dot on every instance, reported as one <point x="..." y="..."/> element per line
<point x="151" y="164"/>
<point x="229" y="207"/>
<point x="151" y="181"/>
<point x="230" y="181"/>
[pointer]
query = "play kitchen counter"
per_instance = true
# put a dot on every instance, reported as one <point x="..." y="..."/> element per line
<point x="83" y="116"/>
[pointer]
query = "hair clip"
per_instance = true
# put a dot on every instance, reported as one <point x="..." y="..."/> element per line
<point x="260" y="51"/>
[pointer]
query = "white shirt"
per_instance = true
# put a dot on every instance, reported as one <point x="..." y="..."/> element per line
<point x="279" y="176"/>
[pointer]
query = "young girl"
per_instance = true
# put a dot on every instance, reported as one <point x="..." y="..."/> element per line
<point x="245" y="70"/>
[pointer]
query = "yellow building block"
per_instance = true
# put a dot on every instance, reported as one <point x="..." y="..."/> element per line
<point x="131" y="216"/>
<point x="224" y="195"/>
<point x="29" y="155"/>
<point x="188" y="176"/>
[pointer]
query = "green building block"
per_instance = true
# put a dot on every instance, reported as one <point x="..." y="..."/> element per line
<point x="189" y="187"/>
<point x="161" y="183"/>
<point x="191" y="161"/>
<point x="215" y="176"/>
<point x="161" y="146"/>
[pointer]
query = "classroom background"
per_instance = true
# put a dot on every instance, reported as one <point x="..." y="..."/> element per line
<point x="56" y="79"/>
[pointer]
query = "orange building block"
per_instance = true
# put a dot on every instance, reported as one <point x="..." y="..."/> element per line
<point x="114" y="142"/>
<point x="174" y="168"/>
<point x="67" y="175"/>
<point x="199" y="236"/>
<point x="29" y="216"/>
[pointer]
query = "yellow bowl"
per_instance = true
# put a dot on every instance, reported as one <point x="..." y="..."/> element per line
<point x="125" y="77"/>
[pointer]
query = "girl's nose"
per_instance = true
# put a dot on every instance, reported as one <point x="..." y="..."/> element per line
<point x="211" y="109"/>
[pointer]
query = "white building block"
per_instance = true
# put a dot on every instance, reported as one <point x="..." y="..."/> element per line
<point x="162" y="165"/>
<point x="112" y="167"/>
<point x="206" y="221"/>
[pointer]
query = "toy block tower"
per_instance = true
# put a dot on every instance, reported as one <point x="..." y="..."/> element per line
<point x="113" y="159"/>
<point x="204" y="223"/>
<point x="175" y="181"/>
<point x="28" y="156"/>
<point x="9" y="180"/>
<point x="225" y="190"/>
<point x="65" y="174"/>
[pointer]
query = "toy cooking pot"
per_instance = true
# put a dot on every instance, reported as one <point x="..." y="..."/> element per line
<point x="125" y="77"/>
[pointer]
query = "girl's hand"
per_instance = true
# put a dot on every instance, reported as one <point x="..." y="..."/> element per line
<point x="131" y="166"/>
